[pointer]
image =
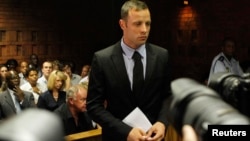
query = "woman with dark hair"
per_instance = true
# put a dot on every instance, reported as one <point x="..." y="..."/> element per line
<point x="11" y="64"/>
<point x="32" y="85"/>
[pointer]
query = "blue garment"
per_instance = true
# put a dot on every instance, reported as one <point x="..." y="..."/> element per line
<point x="47" y="101"/>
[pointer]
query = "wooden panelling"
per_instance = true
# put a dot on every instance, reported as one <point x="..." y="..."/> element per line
<point x="45" y="27"/>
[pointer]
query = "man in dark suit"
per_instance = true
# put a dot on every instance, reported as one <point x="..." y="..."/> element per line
<point x="13" y="100"/>
<point x="73" y="113"/>
<point x="111" y="80"/>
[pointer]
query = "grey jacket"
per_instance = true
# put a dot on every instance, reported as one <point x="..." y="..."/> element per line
<point x="7" y="107"/>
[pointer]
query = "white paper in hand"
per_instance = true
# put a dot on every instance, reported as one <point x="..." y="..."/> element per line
<point x="137" y="119"/>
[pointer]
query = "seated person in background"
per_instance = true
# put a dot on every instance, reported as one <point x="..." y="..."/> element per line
<point x="23" y="67"/>
<point x="57" y="65"/>
<point x="225" y="61"/>
<point x="34" y="63"/>
<point x="12" y="64"/>
<point x="13" y="100"/>
<point x="85" y="74"/>
<point x="3" y="72"/>
<point x="32" y="85"/>
<point x="54" y="96"/>
<point x="69" y="69"/>
<point x="46" y="70"/>
<point x="85" y="70"/>
<point x="73" y="112"/>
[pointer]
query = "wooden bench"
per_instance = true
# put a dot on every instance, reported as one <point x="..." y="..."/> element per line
<point x="91" y="135"/>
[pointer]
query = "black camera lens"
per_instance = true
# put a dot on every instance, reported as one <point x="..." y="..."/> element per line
<point x="234" y="89"/>
<point x="197" y="105"/>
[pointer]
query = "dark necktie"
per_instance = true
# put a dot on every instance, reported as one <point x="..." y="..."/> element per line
<point x="138" y="79"/>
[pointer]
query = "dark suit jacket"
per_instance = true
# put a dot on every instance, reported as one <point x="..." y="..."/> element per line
<point x="7" y="107"/>
<point x="47" y="101"/>
<point x="70" y="127"/>
<point x="109" y="81"/>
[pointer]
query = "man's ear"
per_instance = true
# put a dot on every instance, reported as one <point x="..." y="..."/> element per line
<point x="122" y="23"/>
<point x="70" y="100"/>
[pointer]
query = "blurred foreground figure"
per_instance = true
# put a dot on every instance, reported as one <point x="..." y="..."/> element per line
<point x="32" y="125"/>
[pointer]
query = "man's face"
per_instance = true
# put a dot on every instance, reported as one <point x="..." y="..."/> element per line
<point x="32" y="77"/>
<point x="34" y="59"/>
<point x="228" y="48"/>
<point x="13" y="79"/>
<point x="47" y="68"/>
<point x="67" y="69"/>
<point x="136" y="27"/>
<point x="3" y="71"/>
<point x="23" y="67"/>
<point x="85" y="71"/>
<point x="79" y="103"/>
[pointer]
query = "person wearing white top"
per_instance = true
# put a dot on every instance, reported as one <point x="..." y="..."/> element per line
<point x="46" y="70"/>
<point x="68" y="69"/>
<point x="84" y="80"/>
<point x="23" y="69"/>
<point x="225" y="61"/>
<point x="32" y="85"/>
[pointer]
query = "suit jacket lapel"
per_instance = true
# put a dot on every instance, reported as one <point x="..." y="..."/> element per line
<point x="151" y="62"/>
<point x="9" y="100"/>
<point x="122" y="75"/>
<point x="119" y="64"/>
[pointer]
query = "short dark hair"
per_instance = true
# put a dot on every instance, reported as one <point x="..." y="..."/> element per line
<point x="226" y="39"/>
<point x="29" y="70"/>
<point x="12" y="62"/>
<point x="132" y="4"/>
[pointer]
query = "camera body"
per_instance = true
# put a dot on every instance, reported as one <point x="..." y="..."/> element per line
<point x="197" y="105"/>
<point x="233" y="89"/>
